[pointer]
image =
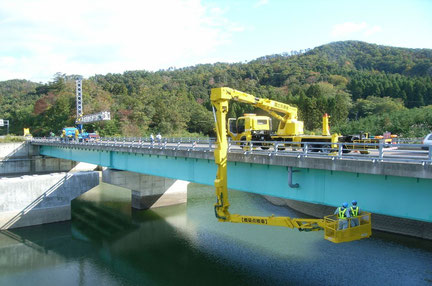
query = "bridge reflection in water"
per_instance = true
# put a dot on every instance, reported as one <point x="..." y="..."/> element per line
<point x="109" y="243"/>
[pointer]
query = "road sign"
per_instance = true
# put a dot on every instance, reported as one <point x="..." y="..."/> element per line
<point x="90" y="118"/>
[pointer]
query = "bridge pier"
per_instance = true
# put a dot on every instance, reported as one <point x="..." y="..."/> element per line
<point x="148" y="191"/>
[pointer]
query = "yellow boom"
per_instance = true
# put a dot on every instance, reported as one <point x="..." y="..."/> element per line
<point x="220" y="98"/>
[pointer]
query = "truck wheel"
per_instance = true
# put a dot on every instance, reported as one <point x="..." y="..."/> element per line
<point x="281" y="147"/>
<point x="325" y="149"/>
<point x="314" y="148"/>
<point x="243" y="142"/>
<point x="265" y="146"/>
<point x="345" y="149"/>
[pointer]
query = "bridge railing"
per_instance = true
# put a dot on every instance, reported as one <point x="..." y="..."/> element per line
<point x="417" y="140"/>
<point x="376" y="152"/>
<point x="415" y="153"/>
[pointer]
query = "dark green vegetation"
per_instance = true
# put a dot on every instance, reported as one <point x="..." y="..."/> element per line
<point x="364" y="87"/>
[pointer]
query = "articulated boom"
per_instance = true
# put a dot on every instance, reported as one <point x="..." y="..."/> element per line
<point x="272" y="106"/>
<point x="288" y="125"/>
<point x="299" y="223"/>
<point x="221" y="105"/>
<point x="220" y="98"/>
<point x="268" y="105"/>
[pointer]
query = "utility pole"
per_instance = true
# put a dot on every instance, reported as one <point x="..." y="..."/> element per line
<point x="79" y="103"/>
<point x="89" y="118"/>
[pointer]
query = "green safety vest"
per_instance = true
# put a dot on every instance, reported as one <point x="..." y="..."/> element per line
<point x="355" y="211"/>
<point x="342" y="213"/>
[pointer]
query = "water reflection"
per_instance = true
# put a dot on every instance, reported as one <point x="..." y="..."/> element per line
<point x="109" y="243"/>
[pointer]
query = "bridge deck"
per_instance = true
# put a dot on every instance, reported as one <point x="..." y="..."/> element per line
<point x="388" y="188"/>
<point x="417" y="167"/>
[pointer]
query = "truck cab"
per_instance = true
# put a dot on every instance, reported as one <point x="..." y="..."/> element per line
<point x="69" y="133"/>
<point x="250" y="127"/>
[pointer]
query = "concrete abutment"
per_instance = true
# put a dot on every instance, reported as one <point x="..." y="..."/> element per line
<point x="23" y="158"/>
<point x="36" y="189"/>
<point x="40" y="199"/>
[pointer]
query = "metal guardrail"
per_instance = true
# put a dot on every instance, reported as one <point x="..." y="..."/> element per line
<point x="375" y="152"/>
<point x="417" y="140"/>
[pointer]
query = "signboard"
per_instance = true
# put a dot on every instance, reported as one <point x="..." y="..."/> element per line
<point x="1" y="122"/>
<point x="90" y="118"/>
<point x="79" y="103"/>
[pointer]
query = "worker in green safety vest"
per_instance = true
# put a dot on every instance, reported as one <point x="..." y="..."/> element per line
<point x="342" y="214"/>
<point x="354" y="213"/>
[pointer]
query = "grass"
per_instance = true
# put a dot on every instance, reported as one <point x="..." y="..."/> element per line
<point x="11" y="139"/>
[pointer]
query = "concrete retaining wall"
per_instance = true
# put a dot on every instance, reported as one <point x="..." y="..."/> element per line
<point x="17" y="150"/>
<point x="39" y="199"/>
<point x="379" y="222"/>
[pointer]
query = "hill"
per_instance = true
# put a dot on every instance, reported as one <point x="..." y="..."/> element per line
<point x="349" y="80"/>
<point x="16" y="94"/>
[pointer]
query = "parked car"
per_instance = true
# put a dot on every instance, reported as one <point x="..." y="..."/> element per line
<point x="427" y="141"/>
<point x="93" y="137"/>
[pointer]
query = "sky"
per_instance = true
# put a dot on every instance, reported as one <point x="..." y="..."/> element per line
<point x="39" y="38"/>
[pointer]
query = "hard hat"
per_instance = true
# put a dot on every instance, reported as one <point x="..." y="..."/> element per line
<point x="345" y="205"/>
<point x="354" y="202"/>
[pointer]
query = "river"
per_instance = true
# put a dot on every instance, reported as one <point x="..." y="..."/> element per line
<point x="108" y="243"/>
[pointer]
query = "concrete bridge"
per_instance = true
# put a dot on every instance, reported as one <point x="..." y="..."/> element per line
<point x="388" y="188"/>
<point x="158" y="174"/>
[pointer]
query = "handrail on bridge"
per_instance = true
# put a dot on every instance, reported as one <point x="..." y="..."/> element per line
<point x="375" y="152"/>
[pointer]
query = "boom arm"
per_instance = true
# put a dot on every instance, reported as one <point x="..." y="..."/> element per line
<point x="220" y="98"/>
<point x="289" y="125"/>
<point x="268" y="105"/>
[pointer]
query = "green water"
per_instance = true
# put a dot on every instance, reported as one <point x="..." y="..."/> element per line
<point x="108" y="243"/>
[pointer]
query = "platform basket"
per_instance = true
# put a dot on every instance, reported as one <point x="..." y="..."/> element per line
<point x="334" y="233"/>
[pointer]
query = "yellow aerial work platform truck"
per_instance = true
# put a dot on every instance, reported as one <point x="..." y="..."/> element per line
<point x="290" y="130"/>
<point x="220" y="98"/>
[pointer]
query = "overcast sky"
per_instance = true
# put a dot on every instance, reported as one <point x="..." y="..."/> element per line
<point x="41" y="37"/>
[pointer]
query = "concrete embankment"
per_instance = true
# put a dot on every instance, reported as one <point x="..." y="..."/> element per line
<point x="379" y="222"/>
<point x="39" y="199"/>
<point x="28" y="195"/>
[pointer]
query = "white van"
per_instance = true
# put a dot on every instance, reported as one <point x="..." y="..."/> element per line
<point x="427" y="141"/>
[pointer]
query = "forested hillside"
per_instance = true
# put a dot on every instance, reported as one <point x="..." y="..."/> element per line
<point x="364" y="87"/>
